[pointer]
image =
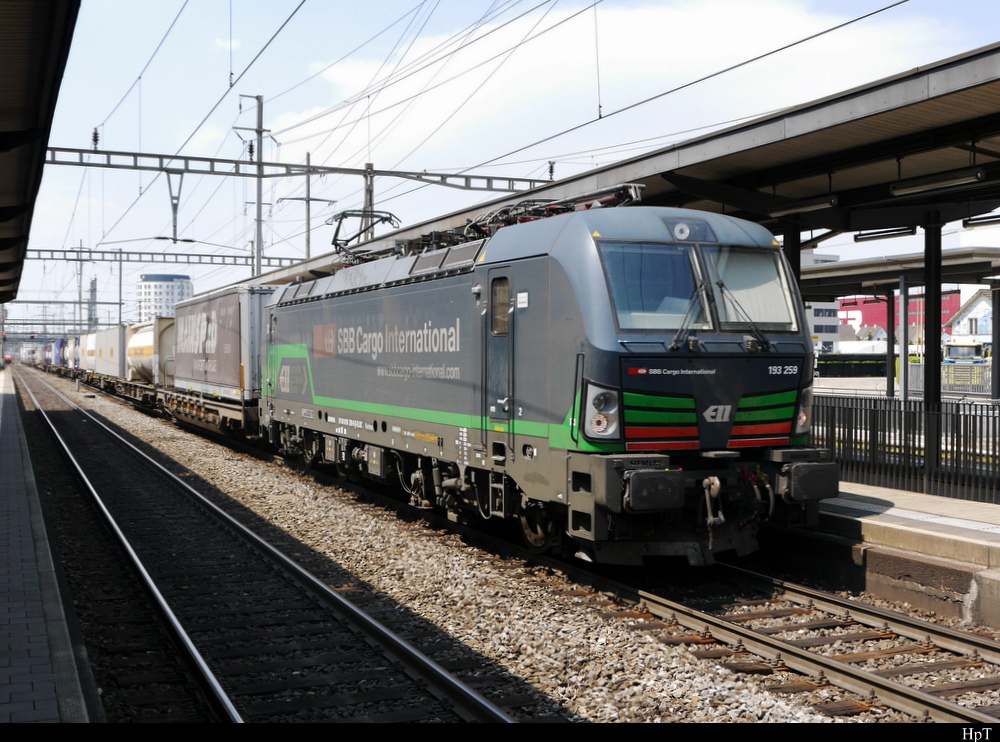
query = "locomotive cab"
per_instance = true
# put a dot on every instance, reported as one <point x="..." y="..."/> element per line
<point x="688" y="417"/>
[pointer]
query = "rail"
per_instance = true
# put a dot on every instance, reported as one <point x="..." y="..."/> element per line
<point x="211" y="684"/>
<point x="462" y="698"/>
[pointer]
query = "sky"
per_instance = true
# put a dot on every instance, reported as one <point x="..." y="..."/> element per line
<point x="487" y="86"/>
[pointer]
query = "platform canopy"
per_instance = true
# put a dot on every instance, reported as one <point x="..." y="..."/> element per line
<point x="920" y="147"/>
<point x="34" y="45"/>
<point x="879" y="274"/>
<point x="917" y="148"/>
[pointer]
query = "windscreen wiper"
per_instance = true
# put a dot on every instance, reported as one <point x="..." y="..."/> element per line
<point x="759" y="336"/>
<point x="684" y="331"/>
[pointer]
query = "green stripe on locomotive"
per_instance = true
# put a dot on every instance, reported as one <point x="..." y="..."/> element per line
<point x="561" y="436"/>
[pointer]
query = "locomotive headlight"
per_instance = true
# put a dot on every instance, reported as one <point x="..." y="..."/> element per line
<point x="602" y="400"/>
<point x="803" y="419"/>
<point x="601" y="413"/>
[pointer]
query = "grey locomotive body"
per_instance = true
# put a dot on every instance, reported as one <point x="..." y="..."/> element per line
<point x="624" y="382"/>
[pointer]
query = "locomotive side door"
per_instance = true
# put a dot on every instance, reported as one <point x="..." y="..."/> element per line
<point x="499" y="400"/>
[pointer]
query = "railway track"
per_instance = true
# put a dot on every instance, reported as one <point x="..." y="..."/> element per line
<point x="807" y="643"/>
<point x="811" y="640"/>
<point x="268" y="641"/>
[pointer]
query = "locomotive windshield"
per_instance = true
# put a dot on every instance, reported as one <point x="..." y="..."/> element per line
<point x="655" y="285"/>
<point x="750" y="286"/>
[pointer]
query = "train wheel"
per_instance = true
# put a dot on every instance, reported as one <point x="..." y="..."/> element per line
<point x="537" y="528"/>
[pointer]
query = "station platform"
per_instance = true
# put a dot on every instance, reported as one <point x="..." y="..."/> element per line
<point x="38" y="673"/>
<point x="938" y="553"/>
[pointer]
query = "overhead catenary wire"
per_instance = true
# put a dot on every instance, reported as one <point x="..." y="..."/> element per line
<point x="597" y="62"/>
<point x="375" y="76"/>
<point x="470" y="96"/>
<point x="135" y="83"/>
<point x="228" y="90"/>
<point x="409" y="71"/>
<point x="698" y="81"/>
<point x="502" y="56"/>
<point x="456" y="109"/>
<point x="641" y="145"/>
<point x="146" y="66"/>
<point x="385" y="62"/>
<point x="676" y="89"/>
<point x="347" y="55"/>
<point x="132" y="205"/>
<point x="506" y="157"/>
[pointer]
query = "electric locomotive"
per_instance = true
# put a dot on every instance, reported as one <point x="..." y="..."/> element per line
<point x="622" y="382"/>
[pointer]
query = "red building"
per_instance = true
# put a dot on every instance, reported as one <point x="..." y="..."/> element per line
<point x="868" y="311"/>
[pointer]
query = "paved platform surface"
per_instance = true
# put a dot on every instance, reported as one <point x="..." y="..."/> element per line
<point x="38" y="674"/>
<point x="875" y="385"/>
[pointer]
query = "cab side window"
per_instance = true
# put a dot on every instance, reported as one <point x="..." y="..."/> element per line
<point x="500" y="306"/>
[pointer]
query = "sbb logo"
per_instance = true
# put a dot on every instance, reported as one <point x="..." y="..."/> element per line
<point x="325" y="341"/>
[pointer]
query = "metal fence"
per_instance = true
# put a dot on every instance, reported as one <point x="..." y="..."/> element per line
<point x="837" y="365"/>
<point x="953" y="451"/>
<point x="956" y="378"/>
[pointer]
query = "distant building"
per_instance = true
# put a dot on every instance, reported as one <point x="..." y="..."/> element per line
<point x="159" y="292"/>
<point x="847" y="334"/>
<point x="974" y="320"/>
<point x="871" y="332"/>
<point x="822" y="315"/>
<point x="869" y="311"/>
